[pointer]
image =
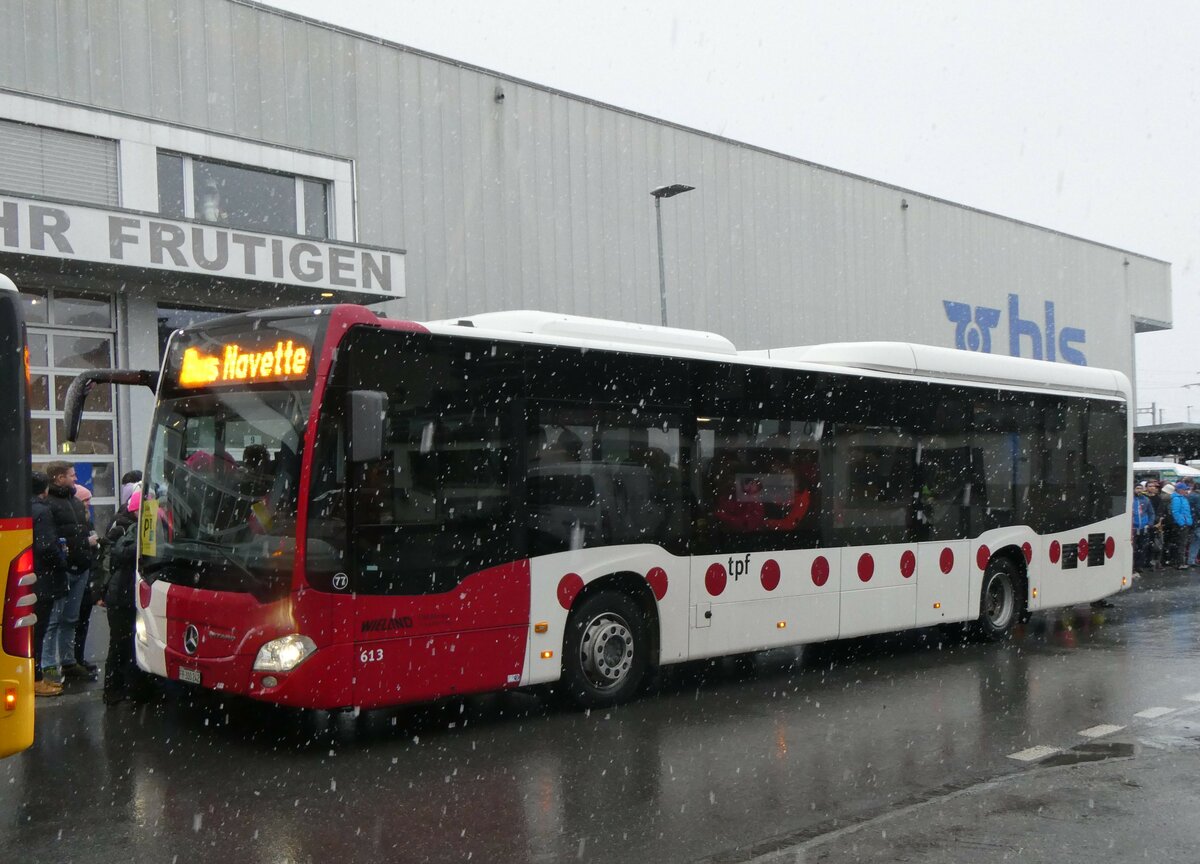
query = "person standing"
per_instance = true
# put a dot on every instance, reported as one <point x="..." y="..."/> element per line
<point x="1194" y="545"/>
<point x="1181" y="515"/>
<point x="77" y="541"/>
<point x="90" y="592"/>
<point x="1143" y="525"/>
<point x="51" y="578"/>
<point x="120" y="672"/>
<point x="130" y="481"/>
<point x="1159" y="500"/>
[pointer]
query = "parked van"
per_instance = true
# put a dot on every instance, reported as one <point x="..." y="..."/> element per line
<point x="1163" y="472"/>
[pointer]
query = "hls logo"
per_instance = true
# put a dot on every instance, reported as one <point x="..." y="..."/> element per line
<point x="973" y="326"/>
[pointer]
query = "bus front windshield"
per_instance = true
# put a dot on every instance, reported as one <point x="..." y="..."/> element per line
<point x="222" y="481"/>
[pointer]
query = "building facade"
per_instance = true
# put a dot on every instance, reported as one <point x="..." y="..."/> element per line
<point x="164" y="161"/>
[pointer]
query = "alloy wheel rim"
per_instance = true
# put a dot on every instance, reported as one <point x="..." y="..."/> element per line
<point x="1000" y="601"/>
<point x="606" y="651"/>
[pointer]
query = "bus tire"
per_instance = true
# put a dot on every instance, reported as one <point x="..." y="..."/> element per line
<point x="1000" y="605"/>
<point x="345" y="722"/>
<point x="315" y="725"/>
<point x="606" y="651"/>
<point x="744" y="665"/>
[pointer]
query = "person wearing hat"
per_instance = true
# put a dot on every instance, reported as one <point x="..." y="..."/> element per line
<point x="1181" y="524"/>
<point x="121" y="675"/>
<point x="1161" y="502"/>
<point x="1143" y="524"/>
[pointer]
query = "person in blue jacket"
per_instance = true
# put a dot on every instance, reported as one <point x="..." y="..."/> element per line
<point x="1143" y="525"/>
<point x="1181" y="515"/>
<point x="1194" y="545"/>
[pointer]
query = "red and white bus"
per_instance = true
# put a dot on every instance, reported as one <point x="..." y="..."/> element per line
<point x="343" y="510"/>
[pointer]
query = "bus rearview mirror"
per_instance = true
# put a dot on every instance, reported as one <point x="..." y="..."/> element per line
<point x="368" y="414"/>
<point x="77" y="392"/>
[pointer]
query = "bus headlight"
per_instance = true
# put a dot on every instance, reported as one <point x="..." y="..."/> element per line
<point x="139" y="627"/>
<point x="284" y="654"/>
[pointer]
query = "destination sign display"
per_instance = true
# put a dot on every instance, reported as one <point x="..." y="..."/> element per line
<point x="232" y="363"/>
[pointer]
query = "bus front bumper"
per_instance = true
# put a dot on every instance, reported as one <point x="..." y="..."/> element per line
<point x="321" y="681"/>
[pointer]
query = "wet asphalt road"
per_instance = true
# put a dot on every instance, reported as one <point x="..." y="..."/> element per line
<point x="722" y="762"/>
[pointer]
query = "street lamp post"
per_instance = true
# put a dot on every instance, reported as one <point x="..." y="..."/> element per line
<point x="660" y="193"/>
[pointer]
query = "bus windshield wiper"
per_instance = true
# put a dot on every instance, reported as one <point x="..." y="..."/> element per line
<point x="225" y="553"/>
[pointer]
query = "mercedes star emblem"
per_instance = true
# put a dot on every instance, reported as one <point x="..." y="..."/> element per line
<point x="191" y="639"/>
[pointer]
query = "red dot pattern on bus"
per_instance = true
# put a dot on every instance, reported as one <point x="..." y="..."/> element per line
<point x="946" y="561"/>
<point x="820" y="570"/>
<point x="1055" y="551"/>
<point x="908" y="564"/>
<point x="657" y="578"/>
<point x="715" y="578"/>
<point x="569" y="587"/>
<point x="1027" y="551"/>
<point x="1083" y="549"/>
<point x="982" y="556"/>
<point x="1110" y="547"/>
<point x="866" y="567"/>
<point x="770" y="574"/>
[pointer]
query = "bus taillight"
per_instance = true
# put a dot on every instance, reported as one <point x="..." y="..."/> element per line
<point x="18" y="606"/>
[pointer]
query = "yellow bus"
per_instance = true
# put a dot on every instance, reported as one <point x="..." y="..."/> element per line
<point x="16" y="530"/>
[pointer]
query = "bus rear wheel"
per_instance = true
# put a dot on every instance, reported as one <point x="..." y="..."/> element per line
<point x="1000" y="605"/>
<point x="606" y="651"/>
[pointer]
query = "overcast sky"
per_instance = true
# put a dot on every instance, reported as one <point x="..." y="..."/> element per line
<point x="1078" y="116"/>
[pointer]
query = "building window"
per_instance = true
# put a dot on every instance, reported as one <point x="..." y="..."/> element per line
<point x="171" y="196"/>
<point x="242" y="197"/>
<point x="51" y="163"/>
<point x="70" y="331"/>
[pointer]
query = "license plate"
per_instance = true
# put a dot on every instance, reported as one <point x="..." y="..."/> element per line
<point x="191" y="676"/>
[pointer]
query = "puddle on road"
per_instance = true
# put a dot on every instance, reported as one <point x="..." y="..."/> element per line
<point x="1090" y="752"/>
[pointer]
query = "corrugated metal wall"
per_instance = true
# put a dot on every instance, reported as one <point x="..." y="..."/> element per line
<point x="542" y="200"/>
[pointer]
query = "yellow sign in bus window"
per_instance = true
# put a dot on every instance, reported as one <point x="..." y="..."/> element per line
<point x="148" y="530"/>
<point x="233" y="364"/>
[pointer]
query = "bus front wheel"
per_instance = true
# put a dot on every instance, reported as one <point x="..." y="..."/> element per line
<point x="1000" y="604"/>
<point x="606" y="651"/>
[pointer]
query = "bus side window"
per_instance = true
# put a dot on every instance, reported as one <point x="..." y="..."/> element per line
<point x="759" y="484"/>
<point x="603" y="477"/>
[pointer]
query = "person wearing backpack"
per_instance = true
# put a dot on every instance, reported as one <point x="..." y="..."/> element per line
<point x="120" y="672"/>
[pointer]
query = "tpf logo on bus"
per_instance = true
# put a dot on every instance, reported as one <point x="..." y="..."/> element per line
<point x="973" y="326"/>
